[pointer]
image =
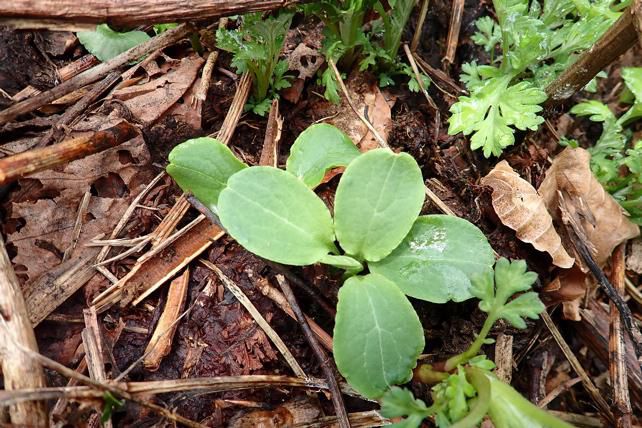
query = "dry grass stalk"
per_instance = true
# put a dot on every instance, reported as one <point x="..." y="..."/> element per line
<point x="161" y="342"/>
<point x="236" y="109"/>
<point x="270" y="150"/>
<point x="93" y="344"/>
<point x="453" y="31"/>
<point x="19" y="370"/>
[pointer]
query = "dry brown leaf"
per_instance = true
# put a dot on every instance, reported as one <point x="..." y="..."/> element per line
<point x="634" y="257"/>
<point x="603" y="221"/>
<point x="370" y="101"/>
<point x="149" y="101"/>
<point x="113" y="176"/>
<point x="519" y="207"/>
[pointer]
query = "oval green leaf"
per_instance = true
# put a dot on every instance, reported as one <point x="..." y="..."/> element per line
<point x="202" y="166"/>
<point x="318" y="149"/>
<point x="377" y="201"/>
<point x="437" y="259"/>
<point x="105" y="43"/>
<point x="274" y="215"/>
<point x="377" y="335"/>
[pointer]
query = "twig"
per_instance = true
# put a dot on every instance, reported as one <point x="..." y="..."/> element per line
<point x="117" y="390"/>
<point x="75" y="234"/>
<point x="236" y="109"/>
<point x="18" y="369"/>
<point x="617" y="363"/>
<point x="420" y="81"/>
<point x="504" y="357"/>
<point x="453" y="31"/>
<point x="420" y="25"/>
<point x="73" y="112"/>
<point x="363" y="119"/>
<point x="92" y="75"/>
<point x="557" y="391"/>
<point x="30" y="14"/>
<point x="277" y="297"/>
<point x="590" y="387"/>
<point x="322" y="357"/>
<point x="438" y="75"/>
<point x="625" y="313"/>
<point x="16" y="166"/>
<point x="613" y="43"/>
<point x="269" y="331"/>
<point x="92" y="342"/>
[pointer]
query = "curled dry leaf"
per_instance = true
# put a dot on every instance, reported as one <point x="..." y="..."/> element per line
<point x="521" y="208"/>
<point x="603" y="222"/>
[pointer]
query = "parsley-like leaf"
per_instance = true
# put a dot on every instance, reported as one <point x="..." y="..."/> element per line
<point x="400" y="402"/>
<point x="492" y="108"/>
<point x="488" y="33"/>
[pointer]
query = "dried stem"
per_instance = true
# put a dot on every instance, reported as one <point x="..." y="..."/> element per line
<point x="94" y="74"/>
<point x="453" y="31"/>
<point x="420" y="25"/>
<point x="617" y="362"/>
<point x="17" y="166"/>
<point x="322" y="357"/>
<point x="617" y="40"/>
<point x="18" y="369"/>
<point x="29" y="14"/>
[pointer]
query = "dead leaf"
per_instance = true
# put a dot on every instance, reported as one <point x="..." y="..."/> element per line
<point x="296" y="412"/>
<point x="370" y="101"/>
<point x="569" y="287"/>
<point x="519" y="207"/>
<point x="149" y="101"/>
<point x="603" y="221"/>
<point x="634" y="258"/>
<point x="306" y="61"/>
<point x="113" y="176"/>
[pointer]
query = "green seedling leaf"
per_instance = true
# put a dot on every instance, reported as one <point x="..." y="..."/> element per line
<point x="105" y="43"/>
<point x="451" y="398"/>
<point x="492" y="109"/>
<point x="318" y="149"/>
<point x="377" y="335"/>
<point x="110" y="403"/>
<point x="376" y="203"/>
<point x="342" y="262"/>
<point x="202" y="166"/>
<point x="437" y="259"/>
<point x="507" y="408"/>
<point x="274" y="215"/>
<point x="400" y="402"/>
<point x="509" y="278"/>
<point x="161" y="28"/>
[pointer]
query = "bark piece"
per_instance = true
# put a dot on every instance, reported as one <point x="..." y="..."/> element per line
<point x="521" y="208"/>
<point x="603" y="221"/>
<point x="161" y="343"/>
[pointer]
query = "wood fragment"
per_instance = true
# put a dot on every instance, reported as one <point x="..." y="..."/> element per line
<point x="93" y="344"/>
<point x="613" y="43"/>
<point x="617" y="361"/>
<point x="161" y="342"/>
<point x="94" y="74"/>
<point x="57" y="131"/>
<point x="19" y="370"/>
<point x="504" y="357"/>
<point x="228" y="127"/>
<point x="151" y="272"/>
<point x="247" y="304"/>
<point x="454" y="28"/>
<point x="27" y="13"/>
<point x="590" y="387"/>
<point x="593" y="330"/>
<point x="35" y="160"/>
<point x="118" y="391"/>
<point x="270" y="150"/>
<point x="53" y="288"/>
<point x="322" y="357"/>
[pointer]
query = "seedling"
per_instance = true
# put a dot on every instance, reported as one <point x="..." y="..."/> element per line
<point x="536" y="44"/>
<point x="105" y="43"/>
<point x="615" y="151"/>
<point x="378" y="337"/>
<point x="348" y="43"/>
<point x="256" y="46"/>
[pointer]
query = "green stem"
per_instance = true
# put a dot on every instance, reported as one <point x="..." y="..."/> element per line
<point x="473" y="350"/>
<point x="426" y="374"/>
